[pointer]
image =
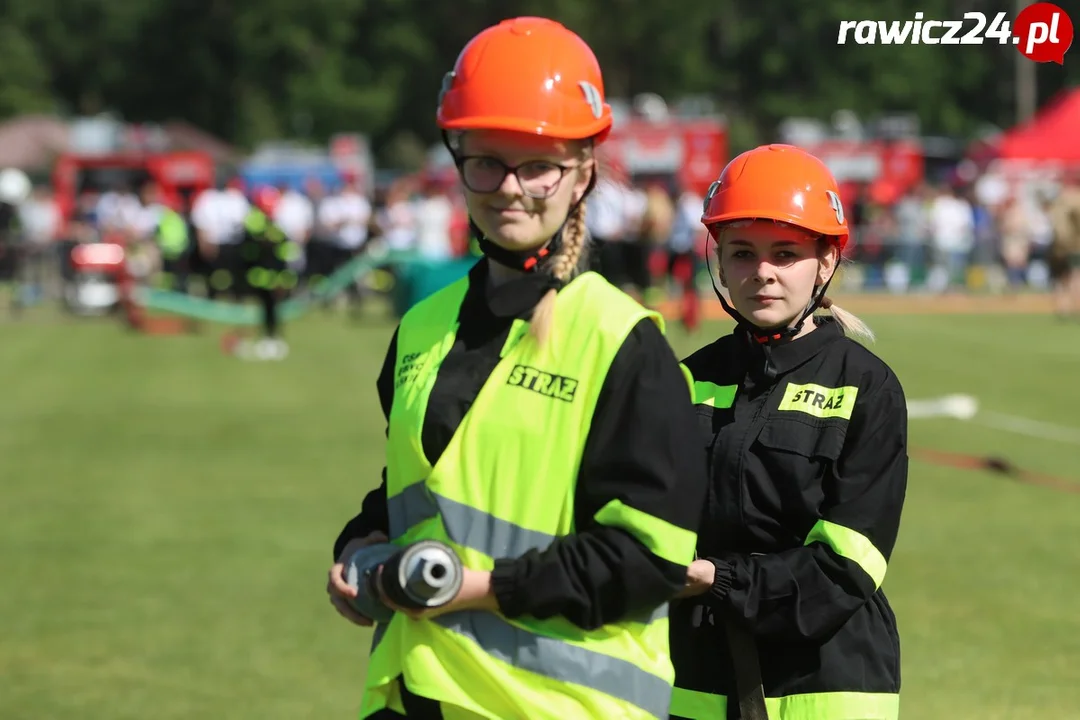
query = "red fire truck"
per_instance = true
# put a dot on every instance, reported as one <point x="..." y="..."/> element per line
<point x="887" y="168"/>
<point x="97" y="271"/>
<point x="685" y="147"/>
<point x="177" y="174"/>
<point x="690" y="150"/>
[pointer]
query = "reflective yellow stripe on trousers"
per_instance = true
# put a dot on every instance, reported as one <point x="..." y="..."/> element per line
<point x="696" y="705"/>
<point x="530" y="651"/>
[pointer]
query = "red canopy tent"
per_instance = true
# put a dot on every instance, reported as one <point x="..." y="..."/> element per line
<point x="1052" y="134"/>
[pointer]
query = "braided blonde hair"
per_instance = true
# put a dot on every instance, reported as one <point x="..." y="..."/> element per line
<point x="563" y="265"/>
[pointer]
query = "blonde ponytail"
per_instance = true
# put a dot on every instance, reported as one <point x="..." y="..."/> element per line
<point x="563" y="265"/>
<point x="848" y="322"/>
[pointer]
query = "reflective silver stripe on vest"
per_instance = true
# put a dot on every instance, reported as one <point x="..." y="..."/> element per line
<point x="495" y="537"/>
<point x="466" y="526"/>
<point x="561" y="661"/>
<point x="659" y="613"/>
<point x="472" y="528"/>
<point x="411" y="506"/>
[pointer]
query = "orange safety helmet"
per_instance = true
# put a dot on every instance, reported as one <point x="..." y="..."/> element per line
<point x="527" y="74"/>
<point x="782" y="183"/>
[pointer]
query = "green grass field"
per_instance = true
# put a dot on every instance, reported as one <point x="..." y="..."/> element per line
<point x="167" y="513"/>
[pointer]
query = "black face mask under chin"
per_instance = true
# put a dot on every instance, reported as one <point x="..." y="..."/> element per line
<point x="523" y="260"/>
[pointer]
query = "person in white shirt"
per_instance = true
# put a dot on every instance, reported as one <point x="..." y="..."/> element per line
<point x="218" y="216"/>
<point x="397" y="219"/>
<point x="294" y="213"/>
<point x="433" y="212"/>
<point x="606" y="224"/>
<point x="37" y="267"/>
<point x="319" y="247"/>
<point x="636" y="248"/>
<point x="118" y="212"/>
<point x="686" y="232"/>
<point x="175" y="261"/>
<point x="144" y="224"/>
<point x="346" y="216"/>
<point x="952" y="234"/>
<point x="203" y="253"/>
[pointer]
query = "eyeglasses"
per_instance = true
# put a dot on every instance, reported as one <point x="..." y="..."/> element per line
<point x="538" y="178"/>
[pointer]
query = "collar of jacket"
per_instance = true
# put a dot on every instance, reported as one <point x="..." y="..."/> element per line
<point x="783" y="357"/>
<point x="513" y="299"/>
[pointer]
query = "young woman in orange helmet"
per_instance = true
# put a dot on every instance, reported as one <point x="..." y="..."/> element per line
<point x="538" y="423"/>
<point x="806" y="435"/>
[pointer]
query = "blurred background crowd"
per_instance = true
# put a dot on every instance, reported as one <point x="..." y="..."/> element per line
<point x="947" y="227"/>
<point x="959" y="182"/>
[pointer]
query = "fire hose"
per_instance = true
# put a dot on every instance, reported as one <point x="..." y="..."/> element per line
<point x="424" y="575"/>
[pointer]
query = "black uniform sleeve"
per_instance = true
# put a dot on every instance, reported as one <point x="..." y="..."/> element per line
<point x="373" y="512"/>
<point x="811" y="591"/>
<point x="639" y="496"/>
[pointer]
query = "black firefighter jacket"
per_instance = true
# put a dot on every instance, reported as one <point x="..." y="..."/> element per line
<point x="807" y="450"/>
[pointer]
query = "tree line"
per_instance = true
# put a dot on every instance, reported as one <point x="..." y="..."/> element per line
<point x="253" y="70"/>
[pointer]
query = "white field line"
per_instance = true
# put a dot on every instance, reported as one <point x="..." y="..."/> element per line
<point x="966" y="407"/>
<point x="1031" y="428"/>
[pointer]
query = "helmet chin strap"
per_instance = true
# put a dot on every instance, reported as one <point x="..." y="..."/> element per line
<point x="770" y="335"/>
<point x="522" y="260"/>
